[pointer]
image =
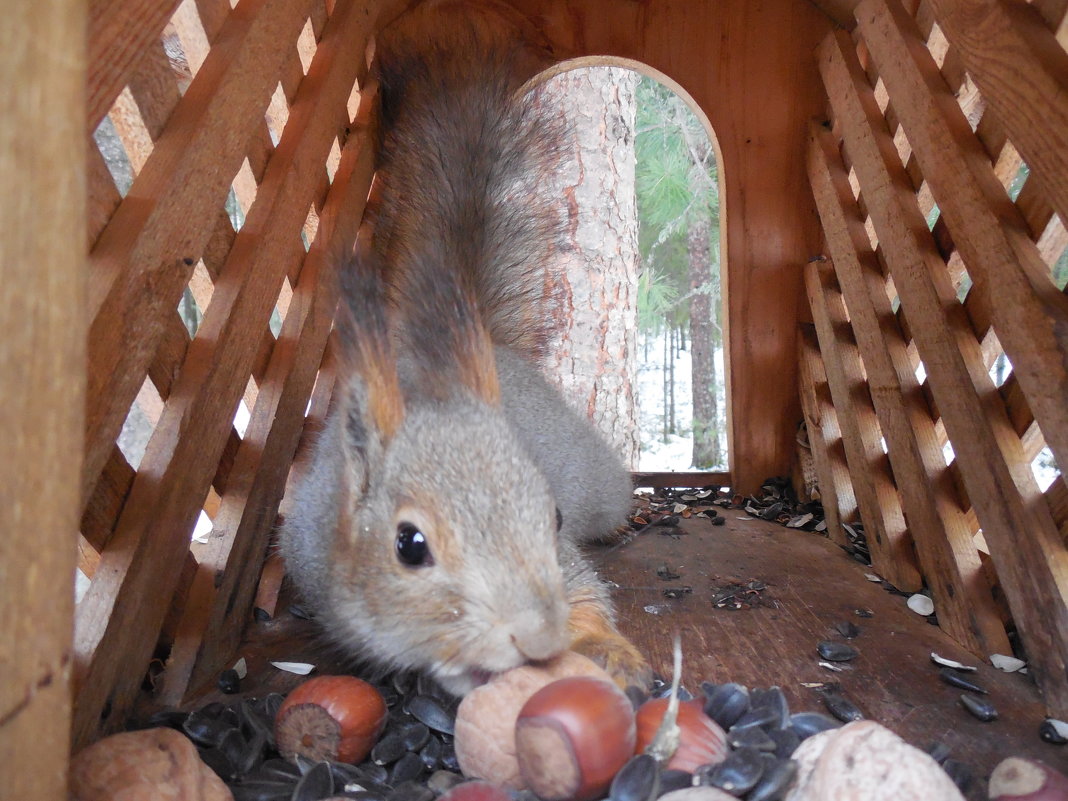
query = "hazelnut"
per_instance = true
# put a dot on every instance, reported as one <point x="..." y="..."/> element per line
<point x="701" y="740"/>
<point x="334" y="718"/>
<point x="485" y="721"/>
<point x="572" y="737"/>
<point x="1019" y="779"/>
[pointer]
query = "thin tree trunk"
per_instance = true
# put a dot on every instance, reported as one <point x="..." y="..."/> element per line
<point x="706" y="449"/>
<point x="595" y="306"/>
<point x="674" y="426"/>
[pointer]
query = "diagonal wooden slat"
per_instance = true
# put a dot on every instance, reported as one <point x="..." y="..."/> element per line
<point x="1028" y="312"/>
<point x="1031" y="561"/>
<point x="1022" y="72"/>
<point x="143" y="259"/>
<point x="119" y="32"/>
<point x="836" y="489"/>
<point x="112" y="642"/>
<point x="240" y="537"/>
<point x="880" y="504"/>
<point x="943" y="538"/>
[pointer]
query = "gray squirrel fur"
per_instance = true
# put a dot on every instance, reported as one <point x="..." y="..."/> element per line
<point x="442" y="421"/>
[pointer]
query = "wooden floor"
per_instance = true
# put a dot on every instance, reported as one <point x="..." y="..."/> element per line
<point x="810" y="586"/>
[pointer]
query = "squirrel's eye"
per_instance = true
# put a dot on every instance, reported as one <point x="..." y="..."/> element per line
<point x="559" y="519"/>
<point x="412" y="548"/>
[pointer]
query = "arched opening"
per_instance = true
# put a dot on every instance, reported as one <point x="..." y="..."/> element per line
<point x="642" y="302"/>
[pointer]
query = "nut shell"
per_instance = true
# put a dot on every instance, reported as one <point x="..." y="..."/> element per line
<point x="330" y="717"/>
<point x="485" y="721"/>
<point x="572" y="737"/>
<point x="142" y="765"/>
<point x="864" y="761"/>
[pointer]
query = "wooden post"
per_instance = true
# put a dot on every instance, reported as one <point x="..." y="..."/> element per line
<point x="42" y="383"/>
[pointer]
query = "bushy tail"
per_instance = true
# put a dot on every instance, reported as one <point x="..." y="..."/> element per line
<point x="461" y="219"/>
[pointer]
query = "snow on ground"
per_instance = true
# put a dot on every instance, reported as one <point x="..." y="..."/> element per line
<point x="676" y="453"/>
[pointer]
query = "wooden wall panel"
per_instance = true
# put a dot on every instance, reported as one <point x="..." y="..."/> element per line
<point x="1028" y="312"/>
<point x="240" y="539"/>
<point x="42" y="384"/>
<point x="1031" y="561"/>
<point x="943" y="538"/>
<point x="748" y="65"/>
<point x="1022" y="72"/>
<point x="112" y="642"/>
<point x="143" y="259"/>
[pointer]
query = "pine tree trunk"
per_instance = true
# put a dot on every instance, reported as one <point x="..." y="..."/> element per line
<point x="706" y="449"/>
<point x="595" y="306"/>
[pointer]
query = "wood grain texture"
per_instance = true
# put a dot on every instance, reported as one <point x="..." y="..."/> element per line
<point x="144" y="257"/>
<point x="943" y="538"/>
<point x="725" y="55"/>
<point x="124" y="608"/>
<point x="825" y="437"/>
<point x="1031" y="560"/>
<point x="42" y="384"/>
<point x="1022" y="72"/>
<point x="1028" y="312"/>
<point x="812" y="586"/>
<point x="119" y="32"/>
<point x="221" y="600"/>
<point x="889" y="540"/>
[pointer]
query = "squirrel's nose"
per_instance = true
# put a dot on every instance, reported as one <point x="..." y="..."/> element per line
<point x="540" y="634"/>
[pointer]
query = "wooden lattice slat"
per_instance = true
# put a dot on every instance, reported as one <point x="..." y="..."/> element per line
<point x="144" y="257"/>
<point x="118" y="36"/>
<point x="1028" y="312"/>
<point x="938" y="525"/>
<point x="1031" y="560"/>
<point x="247" y="511"/>
<point x="880" y="505"/>
<point x="182" y="458"/>
<point x="824" y="434"/>
<point x="1020" y="68"/>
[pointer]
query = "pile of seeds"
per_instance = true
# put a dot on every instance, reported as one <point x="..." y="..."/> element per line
<point x="414" y="758"/>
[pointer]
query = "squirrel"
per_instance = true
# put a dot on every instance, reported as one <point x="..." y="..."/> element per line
<point x="436" y="523"/>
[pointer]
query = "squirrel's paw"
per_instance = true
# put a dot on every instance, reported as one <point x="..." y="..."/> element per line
<point x="595" y="637"/>
<point x="620" y="659"/>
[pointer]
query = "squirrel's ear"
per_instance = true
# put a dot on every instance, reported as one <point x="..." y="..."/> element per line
<point x="368" y="371"/>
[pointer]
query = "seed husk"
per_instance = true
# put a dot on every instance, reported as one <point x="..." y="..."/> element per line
<point x="774" y="783"/>
<point x="841" y="707"/>
<point x="315" y="784"/>
<point x="979" y="709"/>
<point x="637" y="780"/>
<point x="738" y="773"/>
<point x="836" y="651"/>
<point x="805" y="724"/>
<point x="430" y="711"/>
<point x="956" y="680"/>
<point x="727" y="703"/>
<point x="1053" y="731"/>
<point x="848" y="629"/>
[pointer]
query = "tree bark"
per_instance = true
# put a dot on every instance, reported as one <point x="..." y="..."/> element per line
<point x="706" y="448"/>
<point x="594" y="302"/>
